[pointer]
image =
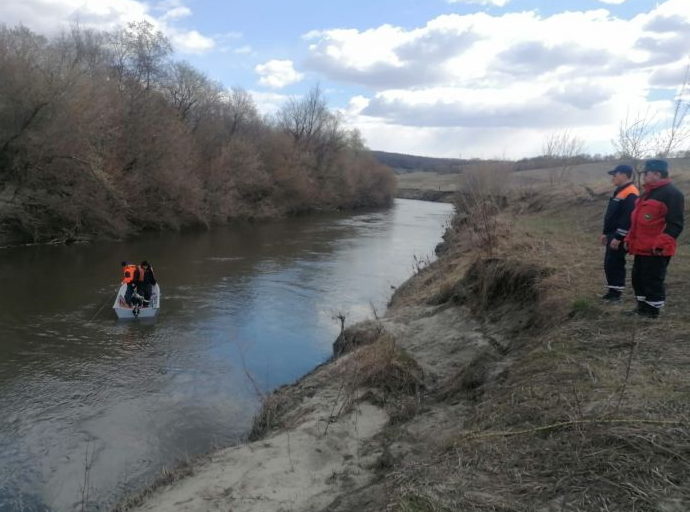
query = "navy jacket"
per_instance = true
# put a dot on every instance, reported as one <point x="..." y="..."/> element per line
<point x="621" y="205"/>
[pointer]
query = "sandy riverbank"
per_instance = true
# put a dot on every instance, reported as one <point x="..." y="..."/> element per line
<point x="325" y="439"/>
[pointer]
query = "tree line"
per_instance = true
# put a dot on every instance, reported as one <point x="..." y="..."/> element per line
<point x="103" y="134"/>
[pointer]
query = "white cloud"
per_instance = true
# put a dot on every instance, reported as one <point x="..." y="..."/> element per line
<point x="278" y="74"/>
<point x="46" y="16"/>
<point x="499" y="3"/>
<point x="518" y="73"/>
<point x="614" y="2"/>
<point x="190" y="41"/>
<point x="50" y="16"/>
<point x="177" y="12"/>
<point x="246" y="49"/>
<point x="268" y="103"/>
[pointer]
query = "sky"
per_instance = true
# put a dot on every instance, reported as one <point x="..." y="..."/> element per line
<point x="447" y="78"/>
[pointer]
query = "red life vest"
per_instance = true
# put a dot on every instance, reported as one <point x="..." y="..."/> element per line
<point x="647" y="225"/>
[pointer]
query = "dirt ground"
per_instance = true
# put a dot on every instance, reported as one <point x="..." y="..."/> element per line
<point x="497" y="381"/>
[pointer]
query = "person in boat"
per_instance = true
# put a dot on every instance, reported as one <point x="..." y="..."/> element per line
<point x="132" y="276"/>
<point x="147" y="282"/>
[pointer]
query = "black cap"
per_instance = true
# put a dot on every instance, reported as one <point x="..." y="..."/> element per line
<point x="124" y="263"/>
<point x="145" y="264"/>
<point x="624" y="169"/>
<point x="656" y="165"/>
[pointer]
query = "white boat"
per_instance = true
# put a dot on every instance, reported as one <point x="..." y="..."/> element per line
<point x="122" y="310"/>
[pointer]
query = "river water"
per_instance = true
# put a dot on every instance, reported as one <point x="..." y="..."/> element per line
<point x="92" y="408"/>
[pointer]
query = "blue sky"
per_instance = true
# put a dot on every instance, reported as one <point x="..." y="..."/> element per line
<point x="475" y="78"/>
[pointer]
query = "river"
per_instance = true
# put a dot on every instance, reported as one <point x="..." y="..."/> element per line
<point x="92" y="408"/>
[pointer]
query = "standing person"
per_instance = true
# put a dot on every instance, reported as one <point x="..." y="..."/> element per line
<point x="148" y="280"/>
<point x="616" y="225"/>
<point x="656" y="223"/>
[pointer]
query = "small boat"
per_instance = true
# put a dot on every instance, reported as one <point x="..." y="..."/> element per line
<point x="122" y="310"/>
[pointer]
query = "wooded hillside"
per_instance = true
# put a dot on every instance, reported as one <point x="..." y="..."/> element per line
<point x="102" y="134"/>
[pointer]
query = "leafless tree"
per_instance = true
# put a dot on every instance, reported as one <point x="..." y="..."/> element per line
<point x="185" y="87"/>
<point x="561" y="148"/>
<point x="146" y="50"/>
<point x="305" y="119"/>
<point x="635" y="140"/>
<point x="240" y="112"/>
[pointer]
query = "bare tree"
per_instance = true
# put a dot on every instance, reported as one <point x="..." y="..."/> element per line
<point x="147" y="49"/>
<point x="561" y="148"/>
<point x="305" y="119"/>
<point x="185" y="87"/>
<point x="635" y="133"/>
<point x="240" y="112"/>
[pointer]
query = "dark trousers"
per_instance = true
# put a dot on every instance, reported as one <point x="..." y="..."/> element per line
<point x="614" y="266"/>
<point x="131" y="288"/>
<point x="128" y="294"/>
<point x="147" y="289"/>
<point x="648" y="274"/>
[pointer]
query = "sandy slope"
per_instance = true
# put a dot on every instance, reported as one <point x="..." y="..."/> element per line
<point x="308" y="466"/>
<point x="300" y="468"/>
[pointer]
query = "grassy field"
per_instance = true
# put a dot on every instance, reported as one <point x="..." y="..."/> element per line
<point x="428" y="181"/>
<point x="591" y="175"/>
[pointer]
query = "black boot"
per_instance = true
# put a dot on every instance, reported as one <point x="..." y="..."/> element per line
<point x="638" y="309"/>
<point x="612" y="296"/>
<point x="648" y="311"/>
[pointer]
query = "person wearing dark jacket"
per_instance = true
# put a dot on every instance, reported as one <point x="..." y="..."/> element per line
<point x="148" y="280"/>
<point x="616" y="225"/>
<point x="656" y="223"/>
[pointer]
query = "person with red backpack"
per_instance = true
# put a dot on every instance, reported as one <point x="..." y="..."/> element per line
<point x="655" y="224"/>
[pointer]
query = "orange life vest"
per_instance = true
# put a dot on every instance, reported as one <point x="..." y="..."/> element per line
<point x="131" y="275"/>
<point x="630" y="189"/>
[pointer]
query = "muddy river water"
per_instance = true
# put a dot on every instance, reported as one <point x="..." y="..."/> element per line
<point x="92" y="408"/>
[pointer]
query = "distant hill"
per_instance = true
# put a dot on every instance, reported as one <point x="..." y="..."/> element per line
<point x="401" y="163"/>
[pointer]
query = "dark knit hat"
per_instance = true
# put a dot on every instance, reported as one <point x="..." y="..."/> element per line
<point x="624" y="169"/>
<point x="656" y="165"/>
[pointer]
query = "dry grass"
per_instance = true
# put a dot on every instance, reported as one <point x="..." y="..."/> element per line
<point x="385" y="366"/>
<point x="590" y="411"/>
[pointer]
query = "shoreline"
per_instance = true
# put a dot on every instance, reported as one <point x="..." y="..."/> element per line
<point x="6" y="240"/>
<point x="434" y="196"/>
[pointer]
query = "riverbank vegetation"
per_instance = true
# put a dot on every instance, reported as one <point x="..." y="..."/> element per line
<point x="103" y="135"/>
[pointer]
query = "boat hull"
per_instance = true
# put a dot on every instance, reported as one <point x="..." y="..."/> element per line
<point x="125" y="312"/>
